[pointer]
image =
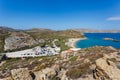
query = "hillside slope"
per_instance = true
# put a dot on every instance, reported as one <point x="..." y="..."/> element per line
<point x="12" y="39"/>
<point x="18" y="40"/>
<point x="4" y="33"/>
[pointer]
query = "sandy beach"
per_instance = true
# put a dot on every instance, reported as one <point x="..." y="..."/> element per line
<point x="71" y="42"/>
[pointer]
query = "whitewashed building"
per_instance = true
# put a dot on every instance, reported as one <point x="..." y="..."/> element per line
<point x="34" y="52"/>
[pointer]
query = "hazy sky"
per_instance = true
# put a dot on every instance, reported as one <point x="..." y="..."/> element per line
<point x="60" y="14"/>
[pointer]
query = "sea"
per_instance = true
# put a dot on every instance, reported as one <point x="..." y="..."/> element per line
<point x="97" y="39"/>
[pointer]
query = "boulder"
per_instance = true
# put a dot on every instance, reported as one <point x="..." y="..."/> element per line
<point x="21" y="74"/>
<point x="87" y="77"/>
<point x="63" y="75"/>
<point x="106" y="70"/>
<point x="45" y="74"/>
<point x="8" y="78"/>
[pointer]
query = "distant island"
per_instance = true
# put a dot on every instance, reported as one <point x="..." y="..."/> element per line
<point x="111" y="39"/>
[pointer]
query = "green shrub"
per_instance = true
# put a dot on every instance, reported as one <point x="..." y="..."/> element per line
<point x="78" y="71"/>
<point x="42" y="66"/>
<point x="73" y="58"/>
<point x="74" y="73"/>
<point x="113" y="60"/>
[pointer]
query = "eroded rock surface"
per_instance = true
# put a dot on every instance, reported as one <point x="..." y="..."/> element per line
<point x="45" y="74"/>
<point x="21" y="74"/>
<point x="106" y="70"/>
<point x="17" y="40"/>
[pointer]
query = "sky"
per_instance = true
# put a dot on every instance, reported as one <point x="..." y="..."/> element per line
<point x="60" y="14"/>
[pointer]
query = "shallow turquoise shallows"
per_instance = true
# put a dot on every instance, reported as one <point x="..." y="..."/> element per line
<point x="96" y="39"/>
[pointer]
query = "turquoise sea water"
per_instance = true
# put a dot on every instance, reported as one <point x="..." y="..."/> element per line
<point x="96" y="39"/>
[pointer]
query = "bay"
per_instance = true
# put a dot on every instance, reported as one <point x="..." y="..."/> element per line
<point x="97" y="39"/>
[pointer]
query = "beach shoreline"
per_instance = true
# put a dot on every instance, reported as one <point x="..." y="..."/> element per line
<point x="72" y="41"/>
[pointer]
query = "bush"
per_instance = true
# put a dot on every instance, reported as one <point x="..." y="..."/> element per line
<point x="73" y="58"/>
<point x="79" y="71"/>
<point x="113" y="60"/>
<point x="40" y="67"/>
<point x="74" y="73"/>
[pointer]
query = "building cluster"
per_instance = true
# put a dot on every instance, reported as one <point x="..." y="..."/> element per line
<point x="34" y="52"/>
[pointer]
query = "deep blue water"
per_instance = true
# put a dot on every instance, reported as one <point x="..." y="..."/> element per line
<point x="96" y="39"/>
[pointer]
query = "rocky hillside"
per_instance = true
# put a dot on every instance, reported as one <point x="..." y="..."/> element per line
<point x="69" y="34"/>
<point x="50" y="34"/>
<point x="18" y="40"/>
<point x="4" y="32"/>
<point x="45" y="36"/>
<point x="11" y="39"/>
<point x="39" y="30"/>
<point x="95" y="63"/>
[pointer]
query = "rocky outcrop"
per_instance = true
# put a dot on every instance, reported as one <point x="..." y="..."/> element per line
<point x="52" y="73"/>
<point x="8" y="78"/>
<point x="18" y="40"/>
<point x="45" y="74"/>
<point x="106" y="69"/>
<point x="21" y="74"/>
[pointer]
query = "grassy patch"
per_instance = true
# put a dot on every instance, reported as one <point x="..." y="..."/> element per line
<point x="74" y="73"/>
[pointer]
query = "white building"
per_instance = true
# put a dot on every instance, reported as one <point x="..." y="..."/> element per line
<point x="34" y="52"/>
<point x="75" y="49"/>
